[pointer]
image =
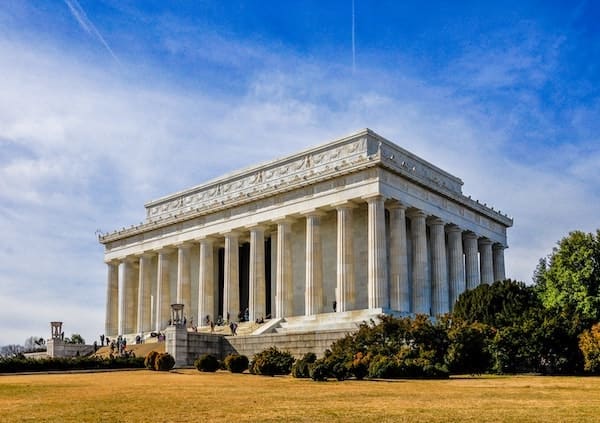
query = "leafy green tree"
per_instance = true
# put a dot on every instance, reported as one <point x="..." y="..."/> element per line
<point x="76" y="339"/>
<point x="499" y="304"/>
<point x="568" y="280"/>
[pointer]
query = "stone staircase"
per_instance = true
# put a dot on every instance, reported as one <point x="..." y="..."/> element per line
<point x="347" y="321"/>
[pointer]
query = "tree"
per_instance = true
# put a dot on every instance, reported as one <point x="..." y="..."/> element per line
<point x="500" y="304"/>
<point x="35" y="343"/>
<point x="568" y="280"/>
<point x="75" y="339"/>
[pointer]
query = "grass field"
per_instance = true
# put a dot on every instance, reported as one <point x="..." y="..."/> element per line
<point x="190" y="396"/>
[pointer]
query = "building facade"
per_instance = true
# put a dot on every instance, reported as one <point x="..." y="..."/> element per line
<point x="357" y="223"/>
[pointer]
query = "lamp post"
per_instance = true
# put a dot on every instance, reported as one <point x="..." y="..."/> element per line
<point x="56" y="330"/>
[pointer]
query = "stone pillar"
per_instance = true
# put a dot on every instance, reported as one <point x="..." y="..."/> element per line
<point x="144" y="317"/>
<point x="231" y="287"/>
<point x="485" y="257"/>
<point x="256" y="286"/>
<point x="128" y="310"/>
<point x="378" y="296"/>
<point x="346" y="288"/>
<point x="456" y="263"/>
<point x="440" y="302"/>
<point x="399" y="284"/>
<point x="184" y="283"/>
<point x="498" y="257"/>
<point x="163" y="291"/>
<point x="471" y="260"/>
<point x="421" y="298"/>
<point x="284" y="295"/>
<point x="313" y="295"/>
<point x="206" y="288"/>
<point x="111" y="326"/>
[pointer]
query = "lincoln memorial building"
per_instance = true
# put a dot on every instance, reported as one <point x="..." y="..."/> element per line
<point x="354" y="225"/>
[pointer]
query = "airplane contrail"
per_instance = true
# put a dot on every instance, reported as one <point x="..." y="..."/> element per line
<point x="353" y="42"/>
<point x="87" y="25"/>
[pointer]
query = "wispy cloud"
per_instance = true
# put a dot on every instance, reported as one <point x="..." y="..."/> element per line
<point x="87" y="25"/>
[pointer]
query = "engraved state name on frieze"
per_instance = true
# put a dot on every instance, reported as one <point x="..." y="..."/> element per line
<point x="314" y="165"/>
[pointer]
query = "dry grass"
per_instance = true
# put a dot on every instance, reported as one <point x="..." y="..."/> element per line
<point x="190" y="396"/>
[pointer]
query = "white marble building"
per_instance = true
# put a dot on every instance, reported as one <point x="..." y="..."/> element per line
<point x="359" y="221"/>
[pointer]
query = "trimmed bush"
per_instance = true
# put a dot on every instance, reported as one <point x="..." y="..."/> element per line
<point x="22" y="364"/>
<point x="359" y="367"/>
<point x="164" y="362"/>
<point x="272" y="362"/>
<point x="207" y="363"/>
<point x="301" y="368"/>
<point x="236" y="363"/>
<point x="319" y="371"/>
<point x="150" y="360"/>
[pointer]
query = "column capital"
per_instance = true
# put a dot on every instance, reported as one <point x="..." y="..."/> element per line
<point x="435" y="221"/>
<point x="284" y="220"/>
<point x="369" y="198"/>
<point x="394" y="204"/>
<point x="206" y="239"/>
<point x="313" y="213"/>
<point x="484" y="242"/>
<point x="347" y="204"/>
<point x="470" y="235"/>
<point x="497" y="246"/>
<point x="453" y="228"/>
<point x="231" y="234"/>
<point x="257" y="227"/>
<point x="164" y="250"/>
<point x="183" y="244"/>
<point x="113" y="261"/>
<point x="412" y="213"/>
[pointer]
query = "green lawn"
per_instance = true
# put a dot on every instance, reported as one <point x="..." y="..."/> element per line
<point x="190" y="396"/>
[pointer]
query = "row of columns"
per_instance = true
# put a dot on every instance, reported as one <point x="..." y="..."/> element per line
<point x="438" y="273"/>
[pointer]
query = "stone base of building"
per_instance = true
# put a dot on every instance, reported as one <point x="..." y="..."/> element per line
<point x="298" y="335"/>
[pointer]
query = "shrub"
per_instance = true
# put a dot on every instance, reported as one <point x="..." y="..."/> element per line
<point x="359" y="367"/>
<point x="301" y="368"/>
<point x="272" y="362"/>
<point x="207" y="363"/>
<point x="164" y="362"/>
<point x="589" y="344"/>
<point x="150" y="360"/>
<point x="319" y="371"/>
<point x="385" y="367"/>
<point x="236" y="363"/>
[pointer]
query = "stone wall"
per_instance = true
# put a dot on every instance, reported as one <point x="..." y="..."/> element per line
<point x="58" y="348"/>
<point x="186" y="347"/>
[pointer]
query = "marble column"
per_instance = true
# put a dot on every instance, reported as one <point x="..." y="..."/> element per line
<point x="256" y="286"/>
<point x="485" y="257"/>
<point x="377" y="255"/>
<point x="498" y="257"/>
<point x="231" y="286"/>
<point x="184" y="282"/>
<point x="471" y="260"/>
<point x="421" y="298"/>
<point x="284" y="295"/>
<point x="440" y="298"/>
<point x="346" y="287"/>
<point x="144" y="311"/>
<point x="456" y="263"/>
<point x="128" y="310"/>
<point x="206" y="287"/>
<point x="111" y="326"/>
<point x="163" y="290"/>
<point x="313" y="295"/>
<point x="399" y="284"/>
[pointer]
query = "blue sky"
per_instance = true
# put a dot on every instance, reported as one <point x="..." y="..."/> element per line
<point x="105" y="105"/>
